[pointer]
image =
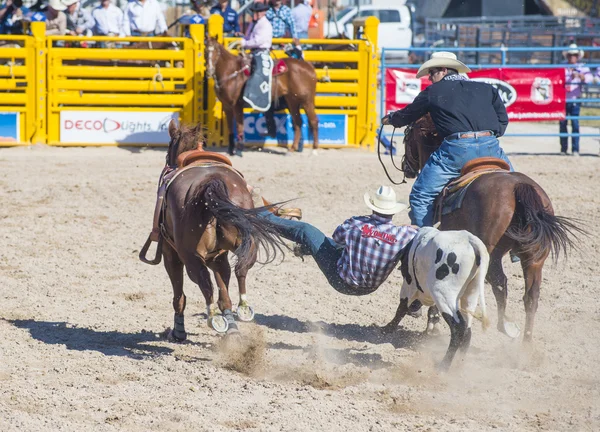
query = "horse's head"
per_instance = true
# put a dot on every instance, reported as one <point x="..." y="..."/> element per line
<point x="213" y="51"/>
<point x="183" y="138"/>
<point x="420" y="140"/>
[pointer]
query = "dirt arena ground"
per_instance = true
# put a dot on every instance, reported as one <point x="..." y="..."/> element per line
<point x="83" y="320"/>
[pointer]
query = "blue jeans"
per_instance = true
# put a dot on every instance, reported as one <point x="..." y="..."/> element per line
<point x="573" y="109"/>
<point x="443" y="165"/>
<point x="323" y="249"/>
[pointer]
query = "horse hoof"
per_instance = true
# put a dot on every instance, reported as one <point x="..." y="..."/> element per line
<point x="218" y="323"/>
<point x="510" y="329"/>
<point x="177" y="336"/>
<point x="245" y="313"/>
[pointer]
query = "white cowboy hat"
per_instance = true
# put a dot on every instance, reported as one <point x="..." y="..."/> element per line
<point x="69" y="2"/>
<point x="442" y="59"/>
<point x="384" y="201"/>
<point x="57" y="5"/>
<point x="573" y="50"/>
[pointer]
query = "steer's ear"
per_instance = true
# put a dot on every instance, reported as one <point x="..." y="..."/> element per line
<point x="172" y="128"/>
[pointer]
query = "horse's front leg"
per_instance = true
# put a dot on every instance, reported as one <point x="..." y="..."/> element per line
<point x="239" y="122"/>
<point x="222" y="272"/>
<point x="230" y="117"/>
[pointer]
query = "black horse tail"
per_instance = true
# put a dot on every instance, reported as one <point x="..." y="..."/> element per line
<point x="253" y="230"/>
<point x="537" y="229"/>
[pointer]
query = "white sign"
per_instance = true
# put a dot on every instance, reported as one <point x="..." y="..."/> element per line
<point x="116" y="127"/>
<point x="407" y="87"/>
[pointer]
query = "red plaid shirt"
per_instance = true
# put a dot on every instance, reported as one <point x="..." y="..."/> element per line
<point x="372" y="244"/>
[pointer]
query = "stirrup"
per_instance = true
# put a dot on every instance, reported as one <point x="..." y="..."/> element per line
<point x="157" y="256"/>
<point x="289" y="212"/>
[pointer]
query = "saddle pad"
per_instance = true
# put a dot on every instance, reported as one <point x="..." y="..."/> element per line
<point x="257" y="91"/>
<point x="452" y="196"/>
<point x="189" y="157"/>
<point x="280" y="68"/>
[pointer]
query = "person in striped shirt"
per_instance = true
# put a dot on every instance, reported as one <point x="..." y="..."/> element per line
<point x="363" y="250"/>
<point x="576" y="75"/>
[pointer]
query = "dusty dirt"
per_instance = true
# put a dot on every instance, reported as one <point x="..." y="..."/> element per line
<point x="83" y="320"/>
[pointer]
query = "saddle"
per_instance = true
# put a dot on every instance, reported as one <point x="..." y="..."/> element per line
<point x="451" y="197"/>
<point x="279" y="69"/>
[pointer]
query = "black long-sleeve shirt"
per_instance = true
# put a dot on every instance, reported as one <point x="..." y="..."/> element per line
<point x="455" y="106"/>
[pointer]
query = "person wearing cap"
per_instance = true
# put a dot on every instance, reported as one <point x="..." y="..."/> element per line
<point x="260" y="36"/>
<point x="363" y="250"/>
<point x="469" y="114"/>
<point x="231" y="22"/>
<point x="108" y="19"/>
<point x="576" y="75"/>
<point x="282" y="21"/>
<point x="144" y="18"/>
<point x="56" y="20"/>
<point x="79" y="21"/>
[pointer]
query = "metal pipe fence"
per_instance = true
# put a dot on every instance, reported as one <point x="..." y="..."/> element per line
<point x="591" y="92"/>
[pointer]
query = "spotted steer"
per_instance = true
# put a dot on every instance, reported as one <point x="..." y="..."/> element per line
<point x="446" y="268"/>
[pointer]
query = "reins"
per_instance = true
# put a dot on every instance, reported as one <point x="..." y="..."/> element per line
<point x="391" y="156"/>
<point x="212" y="68"/>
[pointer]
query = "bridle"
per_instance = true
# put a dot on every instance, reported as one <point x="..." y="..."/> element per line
<point x="211" y="68"/>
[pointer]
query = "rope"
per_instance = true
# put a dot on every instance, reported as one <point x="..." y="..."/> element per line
<point x="381" y="161"/>
<point x="158" y="78"/>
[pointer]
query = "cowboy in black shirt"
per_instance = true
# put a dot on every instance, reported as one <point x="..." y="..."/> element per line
<point x="470" y="115"/>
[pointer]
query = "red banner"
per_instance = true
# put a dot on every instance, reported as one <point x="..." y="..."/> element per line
<point x="528" y="94"/>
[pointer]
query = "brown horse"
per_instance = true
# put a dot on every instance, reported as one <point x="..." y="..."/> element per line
<point x="209" y="212"/>
<point x="508" y="211"/>
<point x="297" y="86"/>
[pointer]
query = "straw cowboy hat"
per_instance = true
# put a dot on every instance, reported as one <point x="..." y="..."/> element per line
<point x="442" y="59"/>
<point x="573" y="50"/>
<point x="57" y="5"/>
<point x="384" y="201"/>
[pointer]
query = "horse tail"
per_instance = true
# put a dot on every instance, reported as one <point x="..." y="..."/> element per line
<point x="537" y="229"/>
<point x="253" y="230"/>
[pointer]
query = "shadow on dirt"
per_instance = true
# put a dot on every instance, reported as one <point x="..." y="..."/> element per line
<point x="111" y="343"/>
<point x="401" y="338"/>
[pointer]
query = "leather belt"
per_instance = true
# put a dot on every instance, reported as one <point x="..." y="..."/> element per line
<point x="475" y="134"/>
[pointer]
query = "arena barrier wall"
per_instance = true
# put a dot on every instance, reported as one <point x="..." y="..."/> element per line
<point x="18" y="71"/>
<point x="79" y="91"/>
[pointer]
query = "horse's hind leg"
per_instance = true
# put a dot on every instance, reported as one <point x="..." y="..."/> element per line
<point x="499" y="282"/>
<point x="245" y="311"/>
<point x="222" y="272"/>
<point x="297" y="121"/>
<point x="533" y="279"/>
<point x="313" y="120"/>
<point x="174" y="268"/>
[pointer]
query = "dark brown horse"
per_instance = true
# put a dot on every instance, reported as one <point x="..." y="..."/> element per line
<point x="209" y="212"/>
<point x="508" y="211"/>
<point x="297" y="86"/>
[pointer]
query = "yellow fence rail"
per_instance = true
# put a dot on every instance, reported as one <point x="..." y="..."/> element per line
<point x="123" y="91"/>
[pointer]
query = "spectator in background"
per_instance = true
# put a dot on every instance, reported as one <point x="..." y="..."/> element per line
<point x="79" y="21"/>
<point x="200" y="7"/>
<point x="301" y="15"/>
<point x="282" y="21"/>
<point x="108" y="19"/>
<point x="576" y="75"/>
<point x="56" y="20"/>
<point x="144" y="18"/>
<point x="231" y="24"/>
<point x="11" y="17"/>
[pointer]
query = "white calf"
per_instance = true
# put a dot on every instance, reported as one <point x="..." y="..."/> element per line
<point x="446" y="268"/>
